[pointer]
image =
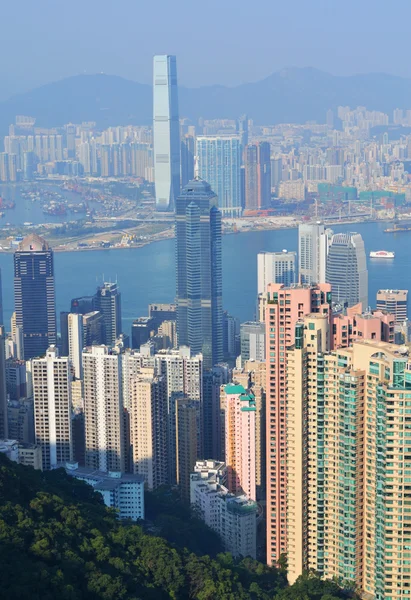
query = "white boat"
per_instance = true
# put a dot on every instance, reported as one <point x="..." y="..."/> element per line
<point x="382" y="254"/>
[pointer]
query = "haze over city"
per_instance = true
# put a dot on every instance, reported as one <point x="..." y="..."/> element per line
<point x="216" y="42"/>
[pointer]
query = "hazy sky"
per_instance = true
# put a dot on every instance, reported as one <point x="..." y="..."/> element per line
<point x="216" y="41"/>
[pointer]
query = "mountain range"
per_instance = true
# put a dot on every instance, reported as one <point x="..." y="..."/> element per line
<point x="292" y="95"/>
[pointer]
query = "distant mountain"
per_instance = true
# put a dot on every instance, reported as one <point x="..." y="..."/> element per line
<point x="290" y="95"/>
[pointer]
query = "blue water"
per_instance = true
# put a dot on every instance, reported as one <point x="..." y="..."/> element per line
<point x="28" y="211"/>
<point x="147" y="274"/>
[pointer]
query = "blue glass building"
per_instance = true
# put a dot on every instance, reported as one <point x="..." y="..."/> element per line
<point x="199" y="278"/>
<point x="219" y="163"/>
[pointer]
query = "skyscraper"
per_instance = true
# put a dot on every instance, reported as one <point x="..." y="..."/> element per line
<point x="187" y="159"/>
<point x="252" y="336"/>
<point x="166" y="132"/>
<point x="148" y="427"/>
<point x="3" y="390"/>
<point x="186" y="417"/>
<point x="348" y="462"/>
<point x="52" y="408"/>
<point x="1" y="302"/>
<point x="257" y="176"/>
<point x="347" y="269"/>
<point x="285" y="306"/>
<point x="275" y="267"/>
<point x="394" y="302"/>
<point x="313" y="243"/>
<point x="240" y="436"/>
<point x="34" y="295"/>
<point x="219" y="163"/>
<point x="75" y="343"/>
<point x="199" y="276"/>
<point x="108" y="303"/>
<point x="103" y="409"/>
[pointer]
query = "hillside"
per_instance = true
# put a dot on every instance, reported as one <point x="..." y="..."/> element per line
<point x="291" y="95"/>
<point x="57" y="540"/>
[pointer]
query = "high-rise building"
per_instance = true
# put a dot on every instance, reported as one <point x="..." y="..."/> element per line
<point x="51" y="378"/>
<point x="252" y="336"/>
<point x="166" y="132"/>
<point x="75" y="343"/>
<point x="108" y="303"/>
<point x="347" y="462"/>
<point x="93" y="328"/>
<point x="219" y="163"/>
<point x="103" y="409"/>
<point x="3" y="389"/>
<point x="257" y="176"/>
<point x="1" y="303"/>
<point x="275" y="267"/>
<point x="148" y="427"/>
<point x="187" y="159"/>
<point x="34" y="295"/>
<point x="183" y="372"/>
<point x="346" y="269"/>
<point x="354" y="324"/>
<point x="394" y="302"/>
<point x="240" y="440"/>
<point x="285" y="306"/>
<point x="186" y="416"/>
<point x="141" y="331"/>
<point x="313" y="243"/>
<point x="199" y="272"/>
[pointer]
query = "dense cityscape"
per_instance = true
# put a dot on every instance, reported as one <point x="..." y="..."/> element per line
<point x="285" y="435"/>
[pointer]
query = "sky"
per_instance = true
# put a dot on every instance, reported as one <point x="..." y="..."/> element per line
<point x="216" y="41"/>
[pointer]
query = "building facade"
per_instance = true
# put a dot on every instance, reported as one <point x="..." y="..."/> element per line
<point x="199" y="272"/>
<point x="346" y="269"/>
<point x="219" y="163"/>
<point x="108" y="303"/>
<point x="285" y="305"/>
<point x="257" y="175"/>
<point x="103" y="410"/>
<point x="313" y="243"/>
<point x="166" y="132"/>
<point x="233" y="518"/>
<point x="240" y="441"/>
<point x="394" y="302"/>
<point x="51" y="377"/>
<point x="275" y="267"/>
<point x="34" y="295"/>
<point x="122" y="491"/>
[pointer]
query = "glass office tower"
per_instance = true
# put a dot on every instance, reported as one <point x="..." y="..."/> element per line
<point x="219" y="163"/>
<point x="34" y="295"/>
<point x="166" y="132"/>
<point x="199" y="279"/>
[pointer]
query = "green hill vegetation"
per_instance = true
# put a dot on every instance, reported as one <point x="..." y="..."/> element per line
<point x="59" y="541"/>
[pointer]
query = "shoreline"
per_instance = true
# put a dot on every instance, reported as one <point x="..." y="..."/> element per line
<point x="238" y="231"/>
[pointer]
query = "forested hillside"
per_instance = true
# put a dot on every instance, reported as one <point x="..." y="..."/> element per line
<point x="58" y="541"/>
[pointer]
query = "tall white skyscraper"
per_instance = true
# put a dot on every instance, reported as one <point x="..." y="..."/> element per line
<point x="219" y="163"/>
<point x="275" y="267"/>
<point x="166" y="132"/>
<point x="75" y="342"/>
<point x="347" y="269"/>
<point x="103" y="408"/>
<point x="51" y="377"/>
<point x="313" y="243"/>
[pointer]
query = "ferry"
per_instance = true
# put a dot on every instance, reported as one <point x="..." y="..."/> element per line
<point x="382" y="254"/>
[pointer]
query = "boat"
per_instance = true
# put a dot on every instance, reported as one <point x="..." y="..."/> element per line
<point x="398" y="229"/>
<point x="382" y="254"/>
